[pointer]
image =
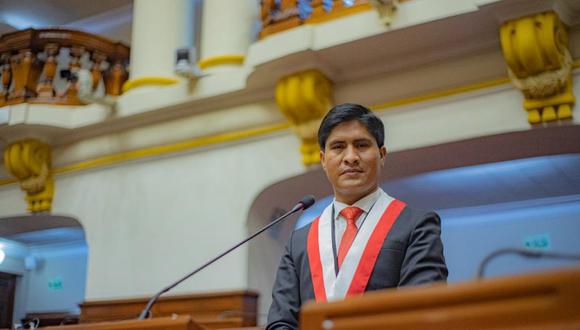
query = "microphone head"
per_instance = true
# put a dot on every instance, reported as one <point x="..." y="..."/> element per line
<point x="307" y="201"/>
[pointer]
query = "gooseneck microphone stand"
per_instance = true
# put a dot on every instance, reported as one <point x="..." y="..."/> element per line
<point x="305" y="203"/>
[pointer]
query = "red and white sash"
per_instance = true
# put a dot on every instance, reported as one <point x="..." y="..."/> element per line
<point x="359" y="262"/>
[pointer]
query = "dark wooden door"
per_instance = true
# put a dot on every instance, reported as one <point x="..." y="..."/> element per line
<point x="7" y="287"/>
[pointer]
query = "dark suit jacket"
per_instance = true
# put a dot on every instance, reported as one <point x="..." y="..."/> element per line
<point x="411" y="254"/>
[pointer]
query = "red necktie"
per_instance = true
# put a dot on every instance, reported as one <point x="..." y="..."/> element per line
<point x="350" y="213"/>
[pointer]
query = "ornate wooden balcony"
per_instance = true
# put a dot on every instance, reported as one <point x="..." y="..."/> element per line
<point x="42" y="66"/>
<point x="280" y="15"/>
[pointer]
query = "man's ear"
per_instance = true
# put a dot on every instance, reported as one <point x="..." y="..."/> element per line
<point x="322" y="159"/>
<point x="383" y="152"/>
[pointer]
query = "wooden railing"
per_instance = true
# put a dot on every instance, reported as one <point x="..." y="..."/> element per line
<point x="41" y="66"/>
<point x="280" y="15"/>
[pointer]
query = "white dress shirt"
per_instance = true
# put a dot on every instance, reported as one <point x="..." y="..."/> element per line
<point x="365" y="204"/>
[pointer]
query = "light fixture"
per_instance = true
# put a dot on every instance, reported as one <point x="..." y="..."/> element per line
<point x="2" y="256"/>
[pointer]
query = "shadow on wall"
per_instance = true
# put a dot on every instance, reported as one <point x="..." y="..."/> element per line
<point x="46" y="260"/>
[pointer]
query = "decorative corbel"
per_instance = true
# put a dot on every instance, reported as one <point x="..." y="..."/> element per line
<point x="386" y="9"/>
<point x="304" y="98"/>
<point x="30" y="162"/>
<point x="539" y="63"/>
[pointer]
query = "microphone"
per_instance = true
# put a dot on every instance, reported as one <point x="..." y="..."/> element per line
<point x="305" y="203"/>
<point x="528" y="253"/>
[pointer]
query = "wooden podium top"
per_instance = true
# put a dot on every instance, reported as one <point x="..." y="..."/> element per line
<point x="183" y="322"/>
<point x="213" y="310"/>
<point x="549" y="300"/>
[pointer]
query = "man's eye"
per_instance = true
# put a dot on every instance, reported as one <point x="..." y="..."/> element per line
<point x="362" y="144"/>
<point x="337" y="147"/>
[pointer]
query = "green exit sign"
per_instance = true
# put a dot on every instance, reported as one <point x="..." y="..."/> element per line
<point x="540" y="242"/>
<point x="55" y="284"/>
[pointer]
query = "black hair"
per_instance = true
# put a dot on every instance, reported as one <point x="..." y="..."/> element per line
<point x="347" y="112"/>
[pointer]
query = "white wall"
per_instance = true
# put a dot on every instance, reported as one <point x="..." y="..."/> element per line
<point x="149" y="222"/>
<point x="12" y="200"/>
<point x="14" y="263"/>
<point x="65" y="264"/>
<point x="37" y="265"/>
<point x="481" y="113"/>
<point x="471" y="234"/>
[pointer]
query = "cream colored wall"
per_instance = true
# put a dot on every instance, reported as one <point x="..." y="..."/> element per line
<point x="465" y="116"/>
<point x="150" y="222"/>
<point x="12" y="200"/>
<point x="208" y="123"/>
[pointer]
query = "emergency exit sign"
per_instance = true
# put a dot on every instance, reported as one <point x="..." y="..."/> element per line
<point x="55" y="284"/>
<point x="540" y="242"/>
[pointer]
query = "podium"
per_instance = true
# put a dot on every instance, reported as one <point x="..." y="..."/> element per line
<point x="217" y="310"/>
<point x="213" y="310"/>
<point x="163" y="323"/>
<point x="549" y="300"/>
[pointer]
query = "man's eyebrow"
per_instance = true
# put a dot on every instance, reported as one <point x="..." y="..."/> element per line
<point x="363" y="140"/>
<point x="338" y="140"/>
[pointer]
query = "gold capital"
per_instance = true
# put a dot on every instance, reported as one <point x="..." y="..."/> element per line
<point x="30" y="162"/>
<point x="304" y="98"/>
<point x="535" y="48"/>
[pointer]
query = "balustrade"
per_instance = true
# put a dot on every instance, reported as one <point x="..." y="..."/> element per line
<point x="41" y="66"/>
<point x="280" y="15"/>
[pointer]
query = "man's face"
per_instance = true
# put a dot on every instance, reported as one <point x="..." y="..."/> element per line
<point x="352" y="161"/>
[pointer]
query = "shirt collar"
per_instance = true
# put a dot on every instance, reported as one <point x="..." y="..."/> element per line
<point x="364" y="203"/>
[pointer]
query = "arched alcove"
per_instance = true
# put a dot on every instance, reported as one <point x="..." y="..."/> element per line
<point x="46" y="261"/>
<point x="542" y="165"/>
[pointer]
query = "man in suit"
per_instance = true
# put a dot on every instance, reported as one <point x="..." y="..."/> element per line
<point x="365" y="239"/>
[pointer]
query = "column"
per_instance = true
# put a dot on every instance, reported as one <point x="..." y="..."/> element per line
<point x="228" y="28"/>
<point x="159" y="29"/>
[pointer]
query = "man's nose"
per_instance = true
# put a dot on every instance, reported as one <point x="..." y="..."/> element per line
<point x="351" y="155"/>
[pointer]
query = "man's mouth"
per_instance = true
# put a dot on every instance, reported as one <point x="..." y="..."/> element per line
<point x="352" y="171"/>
